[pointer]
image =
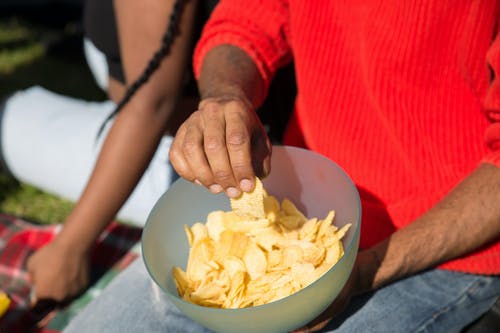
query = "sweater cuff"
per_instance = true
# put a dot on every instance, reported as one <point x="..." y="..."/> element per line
<point x="492" y="139"/>
<point x="493" y="158"/>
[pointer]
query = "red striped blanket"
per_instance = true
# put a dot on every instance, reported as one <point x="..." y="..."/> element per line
<point x="20" y="238"/>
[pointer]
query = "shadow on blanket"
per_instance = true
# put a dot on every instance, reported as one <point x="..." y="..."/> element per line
<point x="20" y="238"/>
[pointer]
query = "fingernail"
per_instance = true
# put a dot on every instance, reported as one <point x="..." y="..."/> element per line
<point x="215" y="188"/>
<point x="198" y="182"/>
<point x="246" y="185"/>
<point x="232" y="192"/>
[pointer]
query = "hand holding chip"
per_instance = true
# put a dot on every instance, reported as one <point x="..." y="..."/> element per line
<point x="222" y="146"/>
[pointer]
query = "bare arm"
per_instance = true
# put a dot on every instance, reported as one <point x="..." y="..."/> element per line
<point x="223" y="145"/>
<point x="131" y="141"/>
<point x="466" y="219"/>
<point x="137" y="130"/>
<point x="228" y="71"/>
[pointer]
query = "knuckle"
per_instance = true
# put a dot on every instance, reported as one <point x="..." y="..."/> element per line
<point x="173" y="154"/>
<point x="189" y="146"/>
<point x="239" y="112"/>
<point x="237" y="139"/>
<point x="223" y="176"/>
<point x="213" y="143"/>
<point x="206" y="102"/>
<point x="211" y="110"/>
<point x="241" y="168"/>
<point x="176" y="156"/>
<point x="195" y="116"/>
<point x="179" y="166"/>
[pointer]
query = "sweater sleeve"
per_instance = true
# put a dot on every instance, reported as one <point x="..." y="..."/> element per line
<point x="492" y="104"/>
<point x="260" y="28"/>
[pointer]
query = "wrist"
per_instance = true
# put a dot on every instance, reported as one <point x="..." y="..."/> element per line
<point x="73" y="240"/>
<point x="70" y="246"/>
<point x="81" y="229"/>
<point x="229" y="70"/>
<point x="365" y="270"/>
<point x="227" y="98"/>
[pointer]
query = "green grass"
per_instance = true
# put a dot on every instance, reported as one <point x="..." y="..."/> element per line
<point x="20" y="45"/>
<point x="12" y="59"/>
<point x="27" y="60"/>
<point x="30" y="203"/>
<point x="13" y="31"/>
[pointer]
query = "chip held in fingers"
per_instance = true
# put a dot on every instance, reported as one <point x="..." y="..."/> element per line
<point x="259" y="252"/>
<point x="250" y="204"/>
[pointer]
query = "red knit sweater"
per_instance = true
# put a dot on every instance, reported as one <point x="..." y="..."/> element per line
<point x="404" y="95"/>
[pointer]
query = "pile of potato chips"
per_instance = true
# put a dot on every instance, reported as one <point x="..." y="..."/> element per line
<point x="258" y="252"/>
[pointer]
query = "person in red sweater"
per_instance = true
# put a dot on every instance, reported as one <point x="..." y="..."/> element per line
<point x="405" y="96"/>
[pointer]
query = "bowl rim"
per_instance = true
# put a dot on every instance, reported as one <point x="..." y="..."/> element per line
<point x="296" y="294"/>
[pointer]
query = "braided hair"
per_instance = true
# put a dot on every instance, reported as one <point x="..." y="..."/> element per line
<point x="153" y="64"/>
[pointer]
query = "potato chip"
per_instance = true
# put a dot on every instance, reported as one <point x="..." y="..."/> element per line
<point x="309" y="230"/>
<point x="246" y="226"/>
<point x="233" y="265"/>
<point x="255" y="261"/>
<point x="259" y="252"/>
<point x="274" y="259"/>
<point x="189" y="235"/>
<point x="181" y="281"/>
<point x="303" y="273"/>
<point x="271" y="208"/>
<point x="291" y="210"/>
<point x="199" y="232"/>
<point x="215" y="224"/>
<point x="291" y="255"/>
<point x="231" y="244"/>
<point x="201" y="254"/>
<point x="267" y="238"/>
<point x="250" y="204"/>
<point x="4" y="303"/>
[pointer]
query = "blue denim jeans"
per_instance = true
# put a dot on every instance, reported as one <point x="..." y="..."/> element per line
<point x="433" y="301"/>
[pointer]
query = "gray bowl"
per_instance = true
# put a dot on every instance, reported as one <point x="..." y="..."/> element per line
<point x="314" y="183"/>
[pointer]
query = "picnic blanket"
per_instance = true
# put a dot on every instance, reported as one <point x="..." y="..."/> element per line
<point x="117" y="247"/>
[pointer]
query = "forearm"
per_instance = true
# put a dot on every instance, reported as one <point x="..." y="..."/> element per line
<point x="137" y="130"/>
<point x="125" y="155"/>
<point x="467" y="218"/>
<point x="142" y="26"/>
<point x="228" y="72"/>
